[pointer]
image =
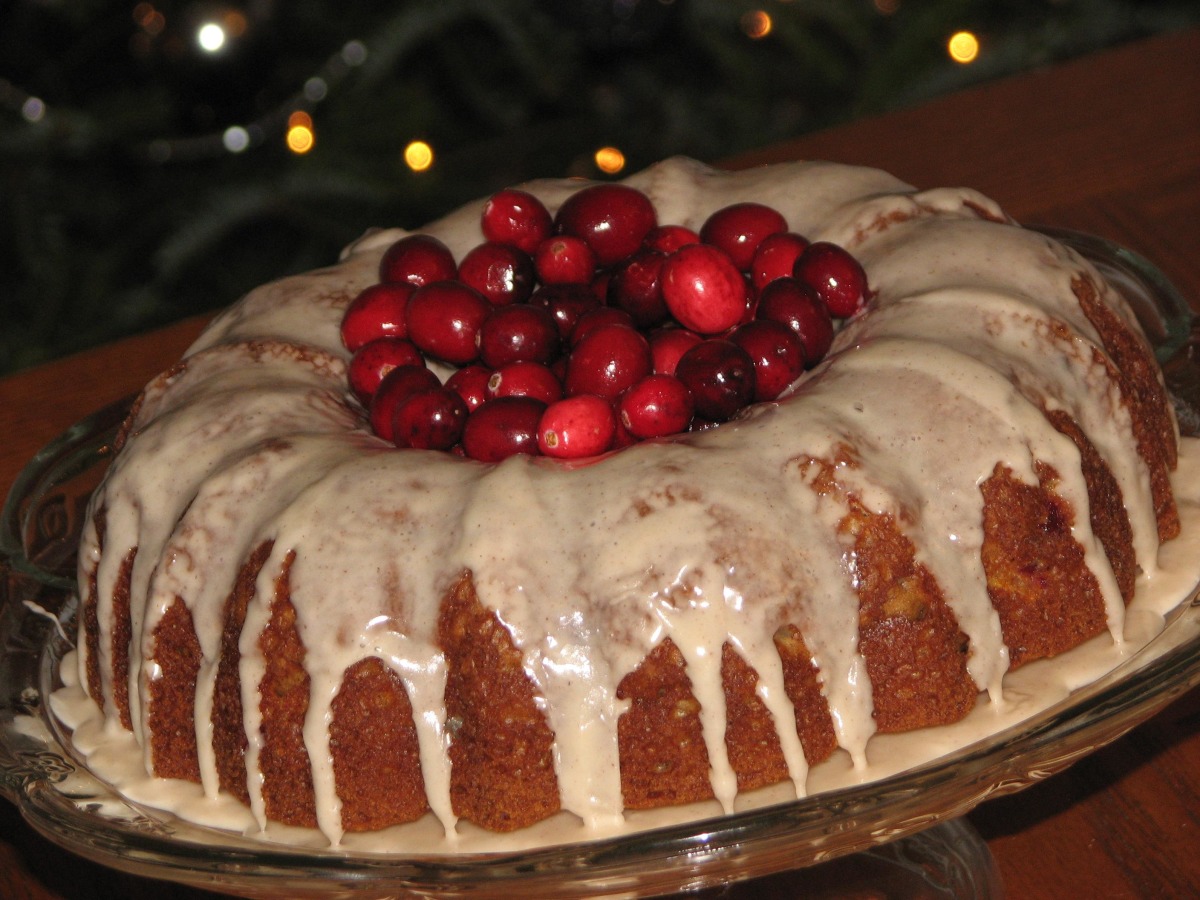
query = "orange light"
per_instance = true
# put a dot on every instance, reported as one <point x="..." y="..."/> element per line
<point x="609" y="160"/>
<point x="418" y="156"/>
<point x="756" y="24"/>
<point x="963" y="47"/>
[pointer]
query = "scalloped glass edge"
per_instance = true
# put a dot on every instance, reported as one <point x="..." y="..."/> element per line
<point x="61" y="799"/>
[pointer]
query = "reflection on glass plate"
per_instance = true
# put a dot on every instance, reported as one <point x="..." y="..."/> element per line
<point x="62" y="799"/>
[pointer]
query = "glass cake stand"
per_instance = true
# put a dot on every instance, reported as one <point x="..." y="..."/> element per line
<point x="905" y="830"/>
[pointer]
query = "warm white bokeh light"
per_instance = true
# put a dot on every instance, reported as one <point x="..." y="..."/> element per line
<point x="211" y="37"/>
<point x="609" y="160"/>
<point x="963" y="47"/>
<point x="418" y="156"/>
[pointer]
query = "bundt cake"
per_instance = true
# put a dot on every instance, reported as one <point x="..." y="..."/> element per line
<point x="281" y="605"/>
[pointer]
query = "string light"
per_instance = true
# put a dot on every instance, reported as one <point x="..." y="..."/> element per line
<point x="300" y="136"/>
<point x="609" y="160"/>
<point x="963" y="47"/>
<point x="418" y="156"/>
<point x="756" y="24"/>
<point x="210" y="37"/>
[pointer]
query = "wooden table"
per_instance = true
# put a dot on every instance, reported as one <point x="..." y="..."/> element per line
<point x="1108" y="144"/>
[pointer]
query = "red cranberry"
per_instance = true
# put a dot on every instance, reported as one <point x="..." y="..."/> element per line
<point x="740" y="228"/>
<point x="669" y="238"/>
<point x="374" y="359"/>
<point x="703" y="289"/>
<point x="566" y="302"/>
<point x="777" y="353"/>
<point x="600" y="282"/>
<point x="835" y="275"/>
<point x="518" y="332"/>
<point x="608" y="360"/>
<point x="501" y="272"/>
<point x="635" y="287"/>
<point x="429" y="418"/>
<point x="668" y="344"/>
<point x="720" y="375"/>
<point x="470" y="383"/>
<point x="393" y="390"/>
<point x="776" y="257"/>
<point x="502" y="428"/>
<point x="515" y="217"/>
<point x="444" y="319"/>
<point x="525" y="379"/>
<point x="797" y="306"/>
<point x="594" y="318"/>
<point x="376" y="312"/>
<point x="614" y="219"/>
<point x="577" y="427"/>
<point x="564" y="259"/>
<point x="417" y="259"/>
<point x="657" y="405"/>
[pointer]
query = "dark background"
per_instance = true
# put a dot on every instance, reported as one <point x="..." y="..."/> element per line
<point x="122" y="205"/>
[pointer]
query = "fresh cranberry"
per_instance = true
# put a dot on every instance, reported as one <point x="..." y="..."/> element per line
<point x="720" y="375"/>
<point x="525" y="379"/>
<point x="393" y="390"/>
<point x="374" y="359"/>
<point x="635" y="286"/>
<point x="501" y="272"/>
<point x="608" y="360"/>
<point x="777" y="354"/>
<point x="657" y="405"/>
<point x="577" y="427"/>
<point x="669" y="238"/>
<point x="614" y="219"/>
<point x="594" y="318"/>
<point x="668" y="344"/>
<point x="564" y="259"/>
<point x="429" y="418"/>
<point x="566" y="302"/>
<point x="835" y="275"/>
<point x="776" y="257"/>
<point x="470" y="383"/>
<point x="378" y="311"/>
<point x="502" y="428"/>
<point x="444" y="319"/>
<point x="417" y="259"/>
<point x="797" y="306"/>
<point x="599" y="284"/>
<point x="739" y="229"/>
<point x="516" y="217"/>
<point x="518" y="332"/>
<point x="703" y="289"/>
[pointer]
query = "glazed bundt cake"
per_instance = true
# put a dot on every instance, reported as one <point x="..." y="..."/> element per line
<point x="281" y="605"/>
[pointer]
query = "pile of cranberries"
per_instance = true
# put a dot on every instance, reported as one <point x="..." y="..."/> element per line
<point x="587" y="331"/>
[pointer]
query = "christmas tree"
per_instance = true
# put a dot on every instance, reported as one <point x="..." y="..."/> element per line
<point x="159" y="159"/>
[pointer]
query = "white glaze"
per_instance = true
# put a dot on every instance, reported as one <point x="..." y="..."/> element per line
<point x="711" y="538"/>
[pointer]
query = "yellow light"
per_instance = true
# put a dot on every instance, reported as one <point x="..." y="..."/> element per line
<point x="418" y="156"/>
<point x="300" y="134"/>
<point x="963" y="47"/>
<point x="300" y="139"/>
<point x="756" y="24"/>
<point x="609" y="160"/>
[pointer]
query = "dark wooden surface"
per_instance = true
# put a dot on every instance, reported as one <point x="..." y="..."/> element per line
<point x="1108" y="144"/>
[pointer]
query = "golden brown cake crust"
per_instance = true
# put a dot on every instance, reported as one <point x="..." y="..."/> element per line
<point x="501" y="749"/>
<point x="171" y="716"/>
